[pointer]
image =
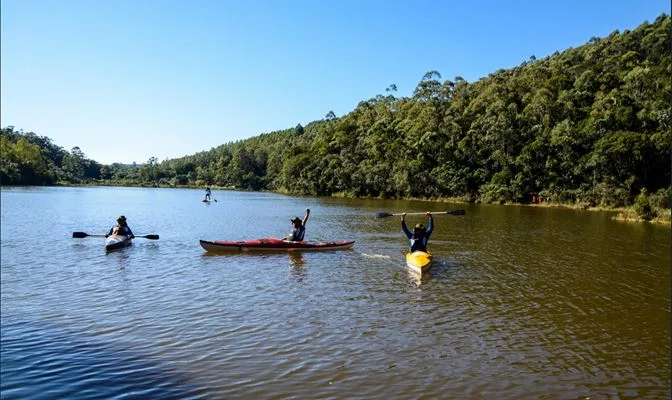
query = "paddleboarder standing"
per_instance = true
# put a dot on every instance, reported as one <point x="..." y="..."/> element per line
<point x="208" y="194"/>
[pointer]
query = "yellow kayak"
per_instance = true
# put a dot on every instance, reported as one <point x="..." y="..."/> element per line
<point x="419" y="261"/>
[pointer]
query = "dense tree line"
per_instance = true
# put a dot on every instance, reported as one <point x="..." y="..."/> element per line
<point x="589" y="124"/>
<point x="29" y="159"/>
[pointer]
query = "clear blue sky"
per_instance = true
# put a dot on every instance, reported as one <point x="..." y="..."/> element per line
<point x="126" y="80"/>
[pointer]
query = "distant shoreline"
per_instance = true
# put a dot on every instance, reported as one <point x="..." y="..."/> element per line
<point x="624" y="214"/>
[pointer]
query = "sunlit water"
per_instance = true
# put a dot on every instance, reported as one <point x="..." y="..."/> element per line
<point x="522" y="302"/>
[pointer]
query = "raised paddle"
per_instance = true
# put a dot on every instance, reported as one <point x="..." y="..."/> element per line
<point x="80" y="235"/>
<point x="454" y="212"/>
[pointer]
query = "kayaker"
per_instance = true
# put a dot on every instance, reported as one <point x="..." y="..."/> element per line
<point x="420" y="235"/>
<point x="208" y="194"/>
<point x="298" y="228"/>
<point x="121" y="229"/>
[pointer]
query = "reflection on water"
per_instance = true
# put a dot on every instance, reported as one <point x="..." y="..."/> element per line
<point x="297" y="266"/>
<point x="416" y="278"/>
<point x="296" y="259"/>
<point x="520" y="302"/>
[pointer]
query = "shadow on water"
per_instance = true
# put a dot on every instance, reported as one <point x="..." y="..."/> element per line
<point x="62" y="364"/>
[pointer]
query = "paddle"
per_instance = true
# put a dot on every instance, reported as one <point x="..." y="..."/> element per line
<point x="80" y="235"/>
<point x="454" y="212"/>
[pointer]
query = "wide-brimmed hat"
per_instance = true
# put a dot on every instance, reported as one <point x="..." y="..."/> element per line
<point x="121" y="218"/>
<point x="295" y="219"/>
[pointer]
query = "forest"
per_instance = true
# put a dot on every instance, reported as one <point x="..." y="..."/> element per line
<point x="588" y="125"/>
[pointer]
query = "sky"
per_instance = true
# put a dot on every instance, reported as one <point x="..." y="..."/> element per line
<point x="126" y="80"/>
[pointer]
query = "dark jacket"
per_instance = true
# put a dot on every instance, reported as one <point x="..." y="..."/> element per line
<point x="418" y="243"/>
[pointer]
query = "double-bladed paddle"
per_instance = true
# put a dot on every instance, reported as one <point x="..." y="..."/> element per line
<point x="454" y="212"/>
<point x="80" y="235"/>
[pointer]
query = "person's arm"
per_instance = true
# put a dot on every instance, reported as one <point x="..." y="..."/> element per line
<point x="110" y="232"/>
<point x="305" y="219"/>
<point x="129" y="231"/>
<point x="404" y="227"/>
<point x="430" y="224"/>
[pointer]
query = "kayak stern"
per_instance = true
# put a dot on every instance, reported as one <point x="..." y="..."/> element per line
<point x="419" y="261"/>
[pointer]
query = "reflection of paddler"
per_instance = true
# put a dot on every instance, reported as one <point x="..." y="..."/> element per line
<point x="296" y="258"/>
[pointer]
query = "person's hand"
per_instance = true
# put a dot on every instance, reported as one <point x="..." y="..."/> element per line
<point x="307" y="210"/>
<point x="429" y="213"/>
<point x="402" y="216"/>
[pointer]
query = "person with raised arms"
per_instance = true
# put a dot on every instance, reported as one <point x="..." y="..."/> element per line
<point x="420" y="235"/>
<point x="298" y="228"/>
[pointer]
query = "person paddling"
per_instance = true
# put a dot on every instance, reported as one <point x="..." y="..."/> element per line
<point x="121" y="229"/>
<point x="420" y="235"/>
<point x="208" y="194"/>
<point x="298" y="228"/>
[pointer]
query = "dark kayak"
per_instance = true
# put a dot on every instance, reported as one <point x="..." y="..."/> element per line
<point x="272" y="244"/>
<point x="116" y="242"/>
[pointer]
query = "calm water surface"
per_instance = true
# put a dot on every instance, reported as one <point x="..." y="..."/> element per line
<point x="522" y="302"/>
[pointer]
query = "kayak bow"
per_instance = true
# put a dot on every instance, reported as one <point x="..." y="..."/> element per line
<point x="116" y="242"/>
<point x="272" y="244"/>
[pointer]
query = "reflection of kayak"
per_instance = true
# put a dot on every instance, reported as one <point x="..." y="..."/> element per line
<point x="419" y="261"/>
<point x="115" y="242"/>
<point x="272" y="244"/>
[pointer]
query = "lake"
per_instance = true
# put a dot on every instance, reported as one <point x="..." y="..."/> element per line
<point x="522" y="301"/>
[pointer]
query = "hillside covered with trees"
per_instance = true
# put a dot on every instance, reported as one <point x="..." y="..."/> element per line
<point x="587" y="125"/>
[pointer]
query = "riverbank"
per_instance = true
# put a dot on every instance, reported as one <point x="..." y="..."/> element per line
<point x="663" y="217"/>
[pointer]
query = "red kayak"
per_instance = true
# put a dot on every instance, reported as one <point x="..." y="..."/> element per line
<point x="272" y="244"/>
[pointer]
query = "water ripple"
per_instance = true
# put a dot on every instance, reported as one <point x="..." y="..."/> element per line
<point x="520" y="303"/>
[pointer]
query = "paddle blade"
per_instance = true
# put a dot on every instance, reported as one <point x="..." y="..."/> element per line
<point x="456" y="212"/>
<point x="152" y="237"/>
<point x="79" y="235"/>
<point x="383" y="215"/>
